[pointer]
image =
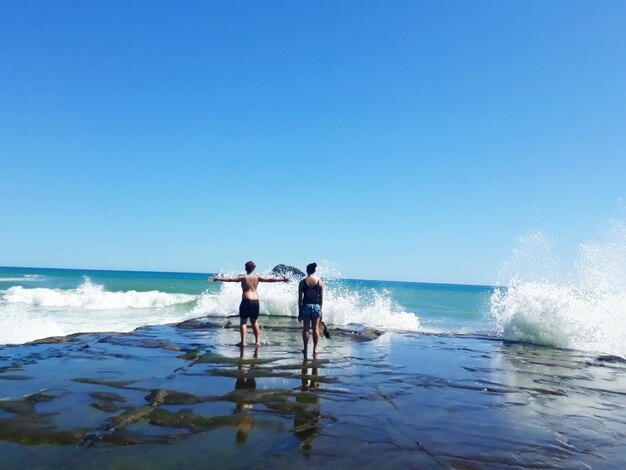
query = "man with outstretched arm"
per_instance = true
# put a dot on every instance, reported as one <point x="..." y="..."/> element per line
<point x="249" y="307"/>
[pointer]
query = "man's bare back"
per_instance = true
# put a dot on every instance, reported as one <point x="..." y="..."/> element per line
<point x="249" y="284"/>
<point x="249" y="307"/>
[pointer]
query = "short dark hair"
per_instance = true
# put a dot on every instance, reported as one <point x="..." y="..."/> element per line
<point x="310" y="268"/>
<point x="250" y="266"/>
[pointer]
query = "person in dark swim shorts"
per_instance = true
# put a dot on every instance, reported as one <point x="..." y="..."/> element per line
<point x="249" y="307"/>
<point x="311" y="311"/>
<point x="310" y="298"/>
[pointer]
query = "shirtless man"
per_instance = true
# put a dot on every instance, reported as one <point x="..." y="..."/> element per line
<point x="249" y="307"/>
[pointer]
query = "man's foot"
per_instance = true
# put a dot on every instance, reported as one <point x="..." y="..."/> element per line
<point x="257" y="344"/>
<point x="241" y="345"/>
<point x="315" y="351"/>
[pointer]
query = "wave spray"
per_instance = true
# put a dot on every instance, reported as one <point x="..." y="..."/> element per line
<point x="585" y="311"/>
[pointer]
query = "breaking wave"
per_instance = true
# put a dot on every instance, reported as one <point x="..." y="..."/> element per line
<point x="92" y="297"/>
<point x="27" y="314"/>
<point x="342" y="306"/>
<point x="586" y="311"/>
<point x="30" y="314"/>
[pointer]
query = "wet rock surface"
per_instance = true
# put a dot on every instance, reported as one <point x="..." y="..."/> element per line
<point x="172" y="396"/>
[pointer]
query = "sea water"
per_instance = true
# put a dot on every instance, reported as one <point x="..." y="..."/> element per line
<point x="584" y="309"/>
<point x="38" y="303"/>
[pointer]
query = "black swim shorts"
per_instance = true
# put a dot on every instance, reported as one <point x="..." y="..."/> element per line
<point x="249" y="309"/>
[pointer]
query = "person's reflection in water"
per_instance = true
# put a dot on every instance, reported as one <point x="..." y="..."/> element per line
<point x="245" y="381"/>
<point x="307" y="417"/>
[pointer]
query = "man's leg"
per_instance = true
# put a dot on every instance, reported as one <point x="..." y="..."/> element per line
<point x="242" y="330"/>
<point x="316" y="333"/>
<point x="255" y="328"/>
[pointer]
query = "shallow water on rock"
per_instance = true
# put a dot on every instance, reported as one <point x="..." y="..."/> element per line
<point x="171" y="396"/>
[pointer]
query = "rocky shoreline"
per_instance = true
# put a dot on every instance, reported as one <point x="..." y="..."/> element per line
<point x="174" y="395"/>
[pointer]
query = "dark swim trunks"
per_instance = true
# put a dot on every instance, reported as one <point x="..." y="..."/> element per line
<point x="249" y="309"/>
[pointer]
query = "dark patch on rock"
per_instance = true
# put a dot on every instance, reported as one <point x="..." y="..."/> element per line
<point x="611" y="359"/>
<point x="139" y="342"/>
<point x="61" y="339"/>
<point x="42" y="397"/>
<point x="51" y="340"/>
<point x="26" y="406"/>
<point x="18" y="407"/>
<point x="286" y="270"/>
<point x="108" y="396"/>
<point x="108" y="383"/>
<point x="170" y="397"/>
<point x="107" y="406"/>
<point x="198" y="324"/>
<point x="365" y="334"/>
<point x="130" y="416"/>
<point x="24" y="431"/>
<point x="187" y="419"/>
<point x="190" y="355"/>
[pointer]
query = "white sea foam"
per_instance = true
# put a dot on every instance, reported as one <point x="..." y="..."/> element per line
<point x="92" y="297"/>
<point x="27" y="314"/>
<point x="19" y="324"/>
<point x="342" y="306"/>
<point x="587" y="311"/>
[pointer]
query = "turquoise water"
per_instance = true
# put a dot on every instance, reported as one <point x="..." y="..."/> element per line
<point x="40" y="302"/>
<point x="185" y="283"/>
<point x="448" y="307"/>
<point x="586" y="314"/>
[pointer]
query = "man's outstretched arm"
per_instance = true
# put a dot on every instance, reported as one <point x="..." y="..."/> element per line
<point x="224" y="279"/>
<point x="273" y="279"/>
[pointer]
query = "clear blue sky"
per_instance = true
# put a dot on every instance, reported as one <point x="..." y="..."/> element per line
<point x="400" y="140"/>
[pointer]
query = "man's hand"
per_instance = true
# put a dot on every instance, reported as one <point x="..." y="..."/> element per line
<point x="285" y="279"/>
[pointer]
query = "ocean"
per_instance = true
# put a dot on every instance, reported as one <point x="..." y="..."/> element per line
<point x="36" y="303"/>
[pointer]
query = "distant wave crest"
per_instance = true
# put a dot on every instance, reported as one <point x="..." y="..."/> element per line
<point x="92" y="297"/>
<point x="25" y="278"/>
